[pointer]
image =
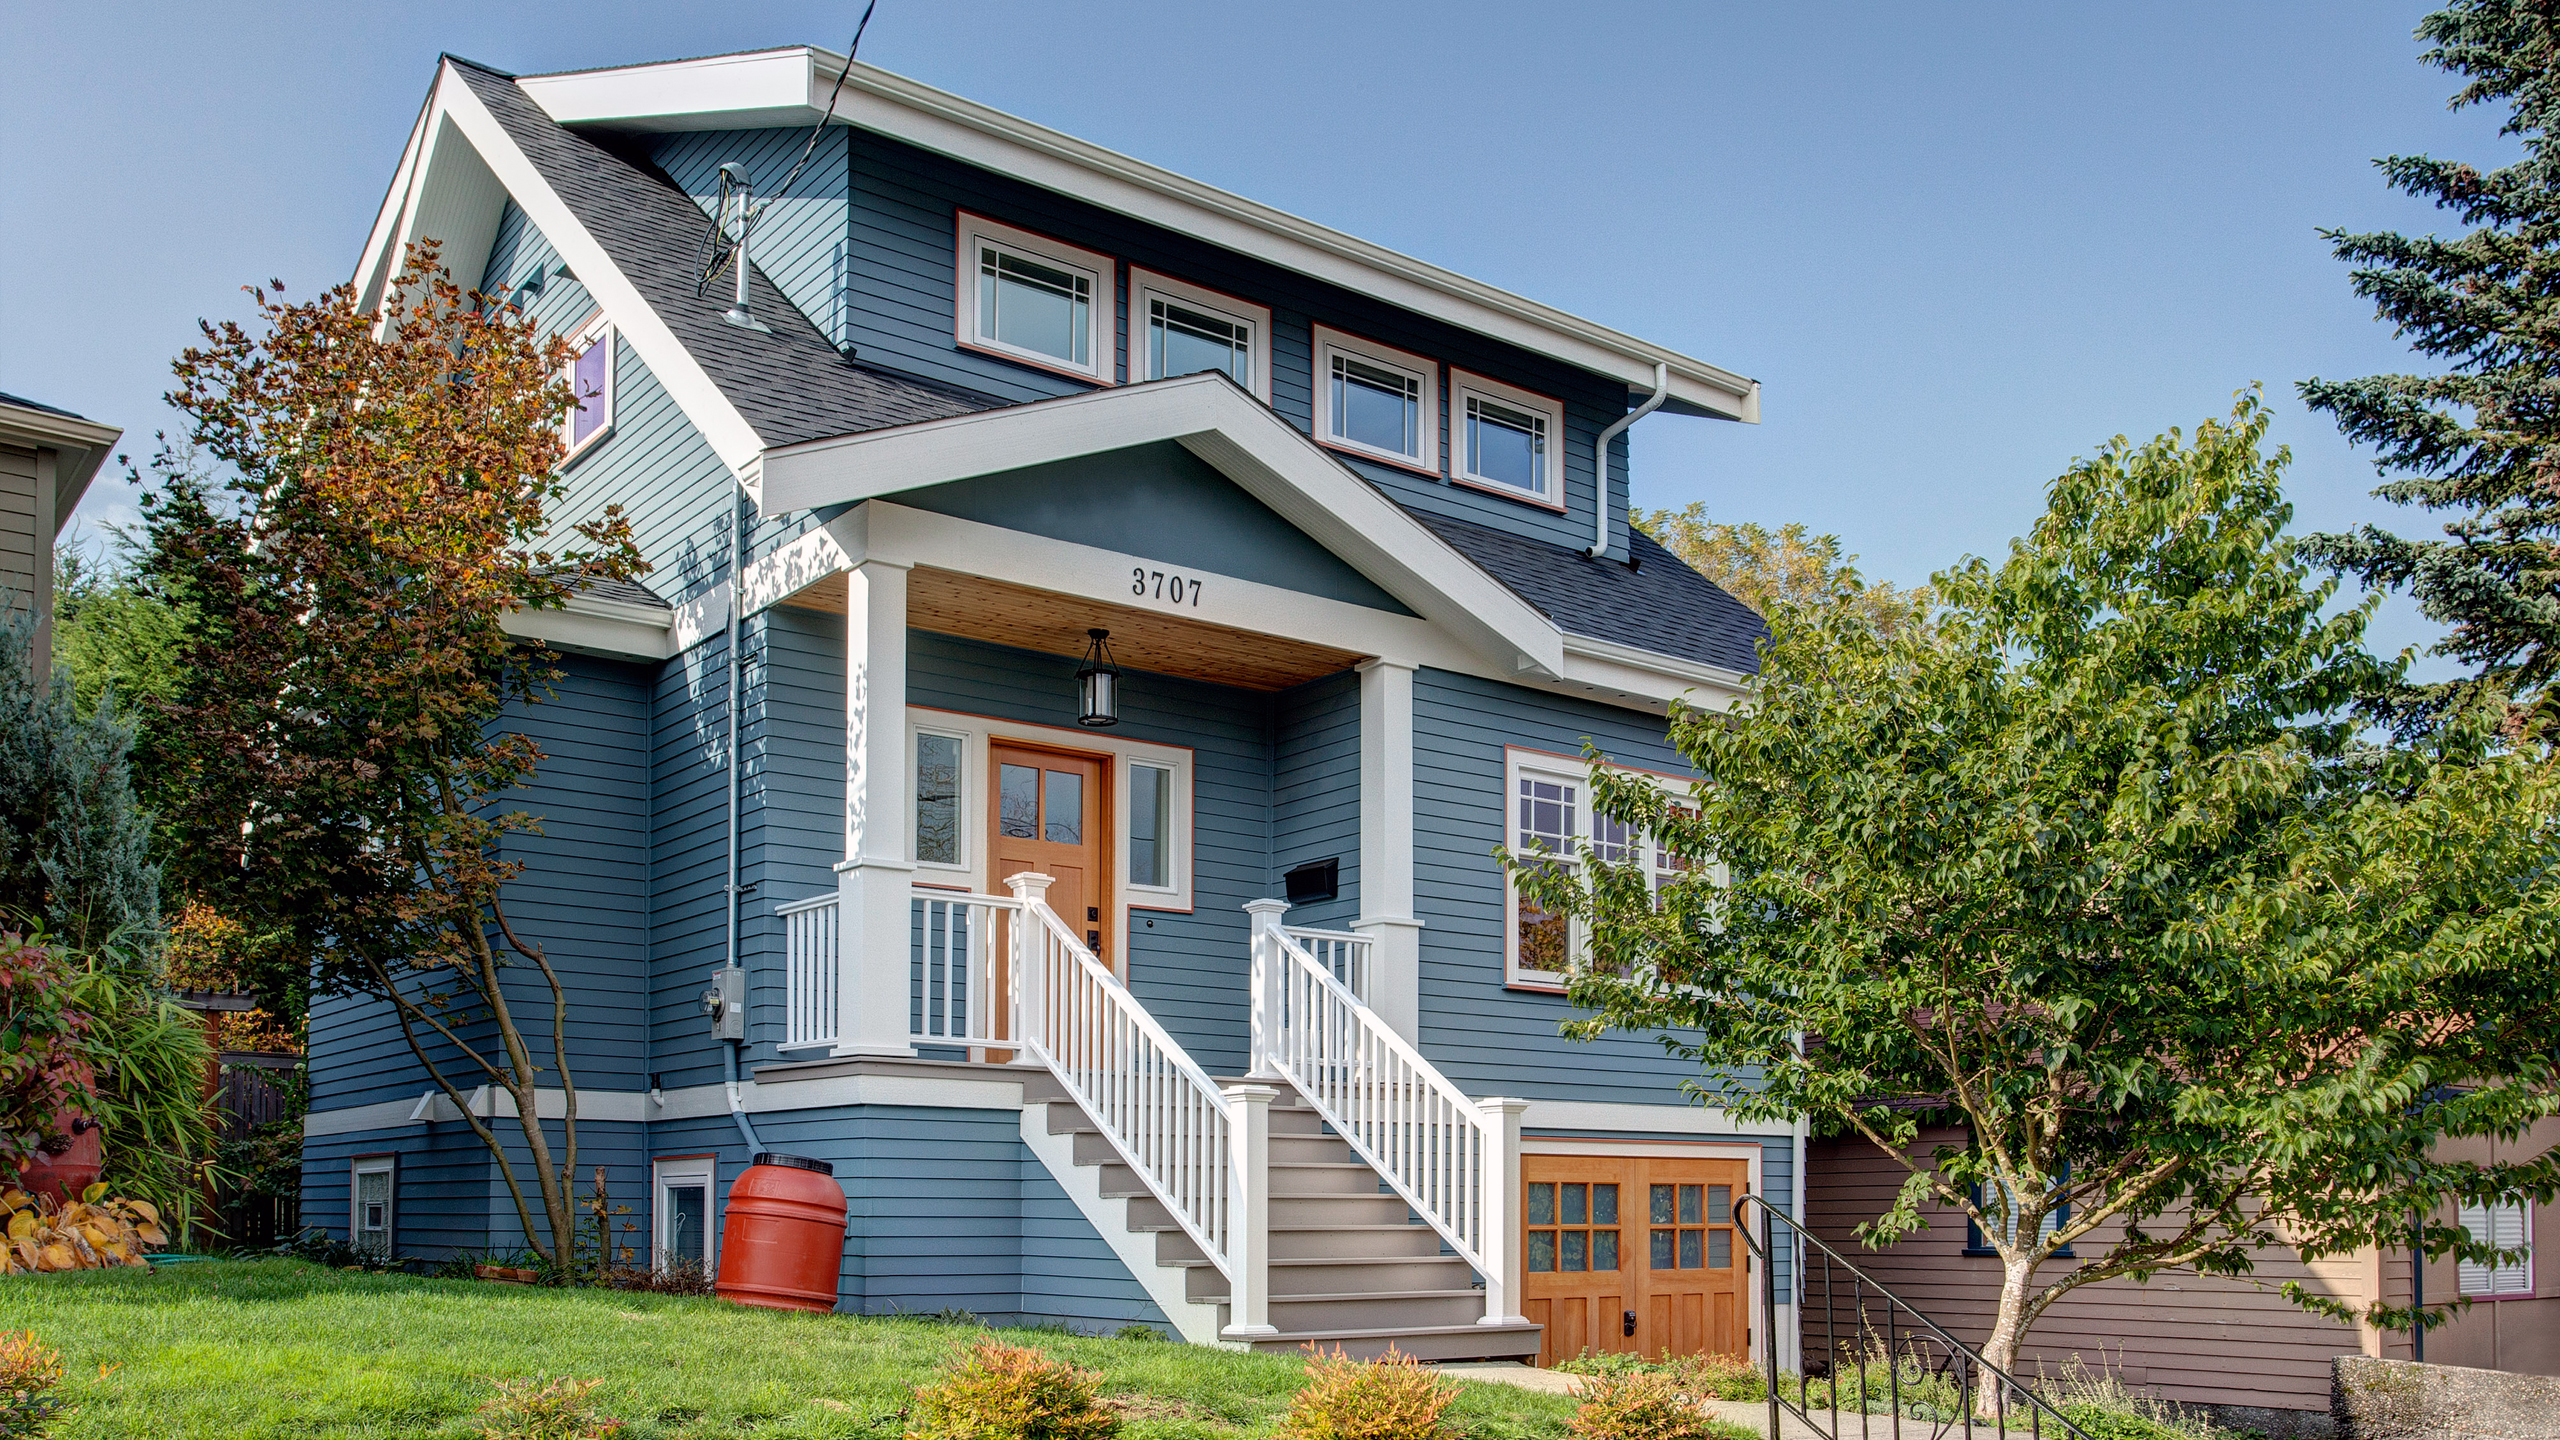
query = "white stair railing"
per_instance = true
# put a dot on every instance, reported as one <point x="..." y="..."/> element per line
<point x="1340" y="953"/>
<point x="1455" y="1160"/>
<point x="1200" y="1151"/>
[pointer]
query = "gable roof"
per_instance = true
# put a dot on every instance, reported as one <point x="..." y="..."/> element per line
<point x="785" y="380"/>
<point x="1657" y="604"/>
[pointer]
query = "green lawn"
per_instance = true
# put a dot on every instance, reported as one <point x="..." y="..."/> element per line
<point x="240" y="1350"/>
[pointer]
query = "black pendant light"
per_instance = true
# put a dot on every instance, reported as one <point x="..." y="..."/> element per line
<point x="1098" y="685"/>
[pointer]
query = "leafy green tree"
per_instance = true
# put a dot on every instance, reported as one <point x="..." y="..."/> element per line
<point x="339" y="725"/>
<point x="2479" y="441"/>
<point x="2097" y="865"/>
<point x="75" y="845"/>
<point x="113" y="635"/>
<point x="1786" y="570"/>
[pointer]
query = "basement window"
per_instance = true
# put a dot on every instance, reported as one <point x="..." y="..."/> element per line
<point x="373" y="1190"/>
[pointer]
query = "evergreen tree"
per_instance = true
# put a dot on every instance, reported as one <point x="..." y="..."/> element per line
<point x="2480" y="442"/>
<point x="75" y="845"/>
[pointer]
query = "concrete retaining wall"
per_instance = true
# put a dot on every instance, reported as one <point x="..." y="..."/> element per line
<point x="2398" y="1400"/>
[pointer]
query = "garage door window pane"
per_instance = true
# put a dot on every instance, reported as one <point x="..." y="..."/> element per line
<point x="1604" y="1249"/>
<point x="1542" y="1250"/>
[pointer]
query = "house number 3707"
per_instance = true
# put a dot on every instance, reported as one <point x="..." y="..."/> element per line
<point x="1172" y="590"/>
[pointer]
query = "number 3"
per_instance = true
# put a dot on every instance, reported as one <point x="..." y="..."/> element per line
<point x="1138" y="581"/>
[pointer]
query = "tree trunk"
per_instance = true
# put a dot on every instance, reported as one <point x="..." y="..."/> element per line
<point x="2008" y="1331"/>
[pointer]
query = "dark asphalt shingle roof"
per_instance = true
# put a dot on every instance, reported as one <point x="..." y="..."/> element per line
<point x="621" y="592"/>
<point x="787" y="381"/>
<point x="24" y="403"/>
<point x="1657" y="604"/>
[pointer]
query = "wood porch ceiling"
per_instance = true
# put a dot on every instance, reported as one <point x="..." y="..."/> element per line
<point x="1027" y="618"/>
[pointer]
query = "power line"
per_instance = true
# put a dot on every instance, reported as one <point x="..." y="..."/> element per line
<point x="713" y="254"/>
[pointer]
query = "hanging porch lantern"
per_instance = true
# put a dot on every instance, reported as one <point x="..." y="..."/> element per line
<point x="1098" y="685"/>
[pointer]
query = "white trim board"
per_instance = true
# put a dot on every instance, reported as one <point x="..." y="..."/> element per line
<point x="792" y="86"/>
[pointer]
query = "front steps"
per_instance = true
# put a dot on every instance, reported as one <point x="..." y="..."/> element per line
<point x="1350" y="1265"/>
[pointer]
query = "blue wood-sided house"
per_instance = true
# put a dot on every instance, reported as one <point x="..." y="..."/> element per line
<point x="1356" y="530"/>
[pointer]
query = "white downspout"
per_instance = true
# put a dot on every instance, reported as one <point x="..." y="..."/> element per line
<point x="1600" y="455"/>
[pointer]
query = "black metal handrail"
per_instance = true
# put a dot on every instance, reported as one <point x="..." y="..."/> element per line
<point x="1905" y="1330"/>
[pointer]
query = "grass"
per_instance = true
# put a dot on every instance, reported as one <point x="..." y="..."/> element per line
<point x="275" y="1348"/>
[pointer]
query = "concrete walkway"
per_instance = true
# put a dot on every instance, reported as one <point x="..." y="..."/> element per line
<point x="1750" y="1414"/>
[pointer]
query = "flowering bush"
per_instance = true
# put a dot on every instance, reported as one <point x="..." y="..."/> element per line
<point x="1654" y="1404"/>
<point x="1012" y="1392"/>
<point x="1389" y="1398"/>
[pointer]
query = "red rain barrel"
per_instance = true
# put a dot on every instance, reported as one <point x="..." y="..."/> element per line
<point x="782" y="1245"/>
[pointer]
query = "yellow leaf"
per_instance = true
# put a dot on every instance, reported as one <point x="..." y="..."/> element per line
<point x="94" y="1193"/>
<point x="153" y="1235"/>
<point x="146" y="1210"/>
<point x="21" y="1225"/>
<point x="15" y="1199"/>
<point x="57" y="1256"/>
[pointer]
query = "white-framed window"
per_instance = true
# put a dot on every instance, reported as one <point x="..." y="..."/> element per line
<point x="682" y="1230"/>
<point x="1547" y="807"/>
<point x="2509" y="1227"/>
<point x="1150" y="805"/>
<point x="591" y="381"/>
<point x="1030" y="298"/>
<point x="1377" y="401"/>
<point x="1180" y="329"/>
<point x="1506" y="439"/>
<point x="373" y="1197"/>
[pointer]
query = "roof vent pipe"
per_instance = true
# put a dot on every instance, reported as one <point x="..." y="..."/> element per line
<point x="1600" y="456"/>
<point x="735" y="177"/>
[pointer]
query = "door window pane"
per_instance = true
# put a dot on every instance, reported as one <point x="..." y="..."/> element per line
<point x="1690" y="1244"/>
<point x="1542" y="1250"/>
<point x="1604" y="1204"/>
<point x="1719" y="1249"/>
<point x="1542" y="1204"/>
<point x="938" y="799"/>
<point x="1377" y="408"/>
<point x="1034" y="307"/>
<point x="1577" y="1204"/>
<point x="1662" y="1243"/>
<point x="1065" y="819"/>
<point x="1506" y="446"/>
<point x="1604" y="1249"/>
<point x="1018" y="801"/>
<point x="1184" y="341"/>
<point x="1150" y="825"/>
<point x="1689" y="1206"/>
<point x="1576" y="1252"/>
<point x="688" y="1217"/>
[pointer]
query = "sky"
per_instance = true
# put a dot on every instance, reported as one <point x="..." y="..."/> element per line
<point x="1958" y="244"/>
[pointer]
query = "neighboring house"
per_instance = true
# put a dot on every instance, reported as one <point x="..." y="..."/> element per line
<point x="47" y="458"/>
<point x="2235" y="1344"/>
<point x="1357" y="530"/>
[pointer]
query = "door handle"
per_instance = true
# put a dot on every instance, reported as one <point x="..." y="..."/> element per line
<point x="1093" y="942"/>
<point x="1627" y="1325"/>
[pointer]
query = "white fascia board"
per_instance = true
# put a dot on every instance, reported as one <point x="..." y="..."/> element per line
<point x="1213" y="419"/>
<point x="374" y="271"/>
<point x="82" y="445"/>
<point x="1626" y="668"/>
<point x="454" y="113"/>
<point x="586" y="625"/>
<point x="791" y="87"/>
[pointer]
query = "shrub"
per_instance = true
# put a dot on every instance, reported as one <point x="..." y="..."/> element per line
<point x="1722" y="1377"/>
<point x="1389" y="1398"/>
<point x="91" y="1233"/>
<point x="1011" y="1392"/>
<point x="2105" y="1424"/>
<point x="545" y="1410"/>
<point x="28" y="1374"/>
<point x="1653" y="1404"/>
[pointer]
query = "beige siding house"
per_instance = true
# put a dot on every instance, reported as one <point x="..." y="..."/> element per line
<point x="47" y="458"/>
<point x="2197" y="1340"/>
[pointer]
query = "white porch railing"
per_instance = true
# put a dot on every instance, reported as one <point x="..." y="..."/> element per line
<point x="810" y="974"/>
<point x="1456" y="1161"/>
<point x="1339" y="953"/>
<point x="959" y="993"/>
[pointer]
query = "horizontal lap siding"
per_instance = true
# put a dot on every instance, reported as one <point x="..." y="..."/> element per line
<point x="1189" y="970"/>
<point x="1489" y="1039"/>
<point x="890" y="295"/>
<point x="688" y="857"/>
<point x="449" y="1197"/>
<point x="794" y="813"/>
<point x="19" y="546"/>
<point x="1315" y="805"/>
<point x="2210" y="1341"/>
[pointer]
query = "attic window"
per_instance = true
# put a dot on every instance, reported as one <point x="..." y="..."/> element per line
<point x="1506" y="440"/>
<point x="591" y="381"/>
<point x="1033" y="299"/>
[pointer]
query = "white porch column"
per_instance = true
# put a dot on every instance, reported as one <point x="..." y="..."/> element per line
<point x="1501" y="1201"/>
<point x="1386" y="845"/>
<point x="872" y="924"/>
<point x="1266" y="974"/>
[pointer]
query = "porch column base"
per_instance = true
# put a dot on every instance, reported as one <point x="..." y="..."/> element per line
<point x="873" y="931"/>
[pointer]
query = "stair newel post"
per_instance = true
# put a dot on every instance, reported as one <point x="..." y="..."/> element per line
<point x="1249" y="1210"/>
<point x="1030" y="975"/>
<point x="1500" y="1202"/>
<point x="1267" y="973"/>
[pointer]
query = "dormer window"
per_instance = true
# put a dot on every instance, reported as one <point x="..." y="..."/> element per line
<point x="1179" y="329"/>
<point x="591" y="381"/>
<point x="1378" y="402"/>
<point x="1506" y="440"/>
<point x="1033" y="299"/>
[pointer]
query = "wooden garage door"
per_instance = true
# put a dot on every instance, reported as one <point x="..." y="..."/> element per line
<point x="1634" y="1254"/>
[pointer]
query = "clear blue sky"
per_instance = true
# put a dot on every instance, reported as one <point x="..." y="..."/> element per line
<point x="1959" y="244"/>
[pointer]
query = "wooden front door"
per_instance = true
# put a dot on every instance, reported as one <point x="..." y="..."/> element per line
<point x="1631" y="1254"/>
<point x="1052" y="815"/>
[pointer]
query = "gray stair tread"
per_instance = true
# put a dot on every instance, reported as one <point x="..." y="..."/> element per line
<point x="1389" y="1334"/>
